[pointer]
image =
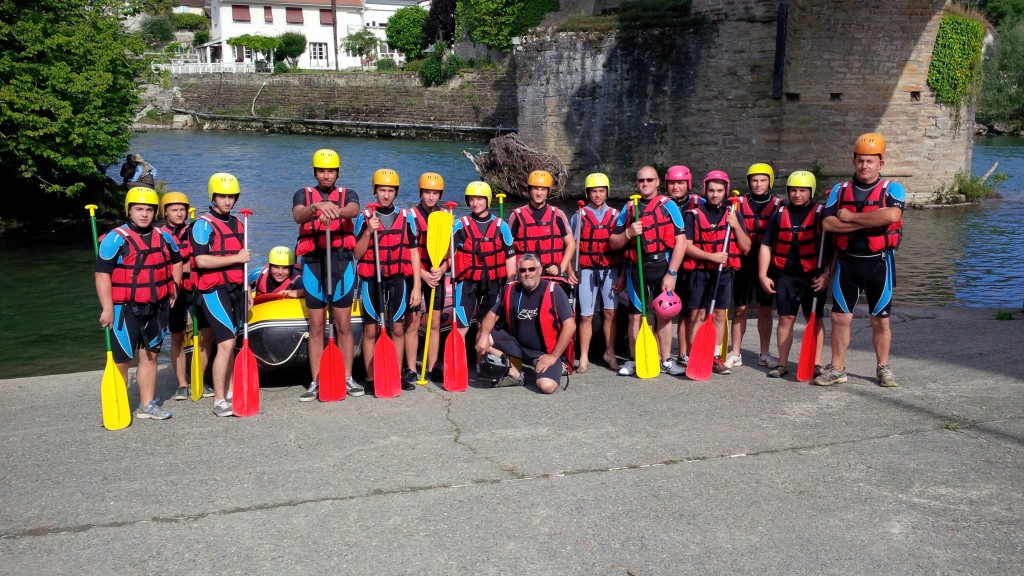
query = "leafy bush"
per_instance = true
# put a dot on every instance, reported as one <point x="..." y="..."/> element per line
<point x="414" y="65"/>
<point x="362" y="43"/>
<point x="971" y="188"/>
<point x="439" y="66"/>
<point x="1002" y="99"/>
<point x="293" y="45"/>
<point x="405" y="31"/>
<point x="201" y="37"/>
<point x="189" y="21"/>
<point x="387" y="64"/>
<point x="956" y="60"/>
<point x="155" y="30"/>
<point x="281" y="67"/>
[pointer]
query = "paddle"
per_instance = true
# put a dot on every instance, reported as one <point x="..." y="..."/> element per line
<point x="196" y="388"/>
<point x="723" y="355"/>
<point x="809" y="343"/>
<point x="331" y="377"/>
<point x="245" y="382"/>
<point x="501" y="205"/>
<point x="439" y="235"/>
<point x="702" y="353"/>
<point x="456" y="369"/>
<point x="117" y="413"/>
<point x="387" y="379"/>
<point x="648" y="361"/>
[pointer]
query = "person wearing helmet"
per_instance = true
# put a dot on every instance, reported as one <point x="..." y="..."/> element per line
<point x="137" y="268"/>
<point x="540" y="327"/>
<point x="218" y="261"/>
<point x="279" y="276"/>
<point x="661" y="231"/>
<point x="679" y="185"/>
<point x="396" y="260"/>
<point x="600" y="275"/>
<point x="174" y="210"/>
<point x="788" y="264"/>
<point x="542" y="229"/>
<point x="144" y="175"/>
<point x="316" y="209"/>
<point x="431" y="187"/>
<point x="866" y="216"/>
<point x="484" y="257"/>
<point x="706" y="230"/>
<point x="755" y="208"/>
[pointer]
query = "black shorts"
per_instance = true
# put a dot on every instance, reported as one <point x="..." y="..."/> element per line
<point x="394" y="290"/>
<point x="654" y="272"/>
<point x="314" y="279"/>
<point x="438" y="298"/>
<point x="795" y="294"/>
<point x="876" y="275"/>
<point x="177" y="318"/>
<point x="509" y="345"/>
<point x="701" y="290"/>
<point x="224" y="309"/>
<point x="746" y="287"/>
<point x="138" y="326"/>
<point x="475" y="299"/>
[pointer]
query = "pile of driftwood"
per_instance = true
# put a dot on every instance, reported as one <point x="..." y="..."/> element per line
<point x="509" y="161"/>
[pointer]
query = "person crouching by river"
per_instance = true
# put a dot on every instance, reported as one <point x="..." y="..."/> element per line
<point x="144" y="175"/>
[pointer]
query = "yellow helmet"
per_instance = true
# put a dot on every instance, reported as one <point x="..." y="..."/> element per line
<point x="324" y="158"/>
<point x="431" y="181"/>
<point x="172" y="198"/>
<point x="141" y="195"/>
<point x="761" y="168"/>
<point x="281" y="256"/>
<point x="224" y="184"/>
<point x="385" y="177"/>
<point x="540" y="178"/>
<point x="596" y="179"/>
<point x="477" y="188"/>
<point x="802" y="179"/>
<point x="870" y="143"/>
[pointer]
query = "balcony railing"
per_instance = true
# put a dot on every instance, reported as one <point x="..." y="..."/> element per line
<point x="208" y="68"/>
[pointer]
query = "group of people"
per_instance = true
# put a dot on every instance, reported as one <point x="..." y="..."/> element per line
<point x="691" y="253"/>
<point x="135" y="171"/>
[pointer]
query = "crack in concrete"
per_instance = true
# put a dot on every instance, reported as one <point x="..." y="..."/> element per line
<point x="457" y="438"/>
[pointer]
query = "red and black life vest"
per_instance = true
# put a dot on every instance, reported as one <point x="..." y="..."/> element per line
<point x="881" y="238"/>
<point x="227" y="239"/>
<point x="659" y="230"/>
<point x="421" y="234"/>
<point x="593" y="246"/>
<point x="710" y="237"/>
<point x="756" y="222"/>
<point x="185" y="249"/>
<point x="540" y="238"/>
<point x="547" y="316"/>
<point x="480" y="256"/>
<point x="803" y="238"/>
<point x="395" y="249"/>
<point x="263" y="281"/>
<point x="692" y="202"/>
<point x="143" y="272"/>
<point x="313" y="235"/>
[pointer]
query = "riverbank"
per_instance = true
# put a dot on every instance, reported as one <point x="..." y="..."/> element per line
<point x="739" y="475"/>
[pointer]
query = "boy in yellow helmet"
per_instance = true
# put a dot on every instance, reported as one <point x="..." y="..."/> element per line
<point x="279" y="276"/>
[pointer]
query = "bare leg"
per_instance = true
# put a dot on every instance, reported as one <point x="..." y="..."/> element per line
<point x="739" y="328"/>
<point x="412" y="339"/>
<point x="764" y="327"/>
<point x="881" y="338"/>
<point x="369" y="339"/>
<point x="343" y="333"/>
<point x="145" y="376"/>
<point x="718" y="318"/>
<point x="178" y="358"/>
<point x="840" y="338"/>
<point x="634" y="331"/>
<point x="785" y="338"/>
<point x="315" y="345"/>
<point x="223" y="366"/>
<point x="663" y="329"/>
<point x="609" y="337"/>
<point x="586" y="333"/>
<point x="435" y="340"/>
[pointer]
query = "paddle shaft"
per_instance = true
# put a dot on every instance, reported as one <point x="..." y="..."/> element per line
<point x="639" y="258"/>
<point x="718" y="274"/>
<point x="96" y="252"/>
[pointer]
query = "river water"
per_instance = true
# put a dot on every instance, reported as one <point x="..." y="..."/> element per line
<point x="48" y="322"/>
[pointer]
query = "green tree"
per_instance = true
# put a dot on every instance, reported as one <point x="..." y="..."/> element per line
<point x="157" y="30"/>
<point x="265" y="45"/>
<point x="361" y="44"/>
<point x="67" y="91"/>
<point x="292" y="45"/>
<point x="1002" y="92"/>
<point x="440" y="23"/>
<point x="1001" y="12"/>
<point x="405" y="32"/>
<point x="489" y="22"/>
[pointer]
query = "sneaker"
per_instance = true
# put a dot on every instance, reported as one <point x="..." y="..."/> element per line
<point x="733" y="360"/>
<point x="152" y="411"/>
<point x="886" y="378"/>
<point x="311" y="393"/>
<point x="437" y="374"/>
<point x="830" y="376"/>
<point x="719" y="368"/>
<point x="207" y="391"/>
<point x="628" y="368"/>
<point x="222" y="408"/>
<point x="672" y="367"/>
<point x="409" y="379"/>
<point x="683" y="361"/>
<point x="180" y="394"/>
<point x="508" y="380"/>
<point x="818" y="370"/>
<point x="777" y="372"/>
<point x="767" y="359"/>
<point x="352" y="388"/>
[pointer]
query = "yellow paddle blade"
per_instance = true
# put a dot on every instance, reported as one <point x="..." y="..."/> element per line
<point x="648" y="362"/>
<point x="117" y="414"/>
<point x="724" y="351"/>
<point x="196" y="389"/>
<point x="439" y="235"/>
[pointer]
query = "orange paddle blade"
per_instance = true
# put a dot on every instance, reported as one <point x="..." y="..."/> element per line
<point x="387" y="379"/>
<point x="245" y="385"/>
<point x="702" y="353"/>
<point x="456" y="369"/>
<point x="808" y="350"/>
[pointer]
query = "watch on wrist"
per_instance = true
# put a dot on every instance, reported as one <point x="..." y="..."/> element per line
<point x="673" y="273"/>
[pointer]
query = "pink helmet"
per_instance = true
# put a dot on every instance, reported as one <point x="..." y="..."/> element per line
<point x="679" y="173"/>
<point x="667" y="305"/>
<point x="715" y="175"/>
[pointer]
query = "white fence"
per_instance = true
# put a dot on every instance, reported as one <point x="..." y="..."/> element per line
<point x="208" y="68"/>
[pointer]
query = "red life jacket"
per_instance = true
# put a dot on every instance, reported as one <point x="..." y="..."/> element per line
<point x="593" y="246"/>
<point x="659" y="231"/>
<point x="143" y="275"/>
<point x="262" y="283"/>
<point x="480" y="256"/>
<point x="550" y="323"/>
<point x="313" y="235"/>
<point x="227" y="239"/>
<point x="710" y="237"/>
<point x="881" y="238"/>
<point x="805" y="238"/>
<point x="421" y="234"/>
<point x="185" y="249"/>
<point x="540" y="238"/>
<point x="395" y="247"/>
<point x="691" y="203"/>
<point x="755" y="222"/>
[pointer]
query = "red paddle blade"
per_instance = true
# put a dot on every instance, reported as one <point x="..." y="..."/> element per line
<point x="702" y="353"/>
<point x="456" y="369"/>
<point x="245" y="384"/>
<point x="808" y="350"/>
<point x="387" y="380"/>
<point x="332" y="373"/>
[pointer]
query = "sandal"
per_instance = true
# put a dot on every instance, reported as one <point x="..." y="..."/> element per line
<point x="778" y="372"/>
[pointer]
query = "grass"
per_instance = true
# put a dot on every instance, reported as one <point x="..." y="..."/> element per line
<point x="951" y="426"/>
<point x="1004" y="315"/>
<point x="968" y="188"/>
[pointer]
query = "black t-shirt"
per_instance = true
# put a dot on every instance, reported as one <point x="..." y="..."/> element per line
<point x="525" y="313"/>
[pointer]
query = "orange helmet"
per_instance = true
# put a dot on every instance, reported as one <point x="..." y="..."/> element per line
<point x="431" y="181"/>
<point x="870" y="143"/>
<point x="540" y="178"/>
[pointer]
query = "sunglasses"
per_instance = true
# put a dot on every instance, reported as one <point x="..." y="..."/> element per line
<point x="530" y="269"/>
<point x="642" y="180"/>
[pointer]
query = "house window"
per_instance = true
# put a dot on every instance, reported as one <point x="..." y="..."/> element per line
<point x="268" y="14"/>
<point x="318" y="54"/>
<point x="240" y="13"/>
<point x="326" y="17"/>
<point x="293" y="15"/>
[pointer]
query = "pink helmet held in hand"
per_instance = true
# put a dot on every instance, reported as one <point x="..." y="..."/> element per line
<point x="679" y="173"/>
<point x="667" y="305"/>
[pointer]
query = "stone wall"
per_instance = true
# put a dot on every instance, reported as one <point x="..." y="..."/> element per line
<point x="703" y="95"/>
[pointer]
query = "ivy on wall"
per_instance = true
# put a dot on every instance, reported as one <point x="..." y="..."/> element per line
<point x="956" y="60"/>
